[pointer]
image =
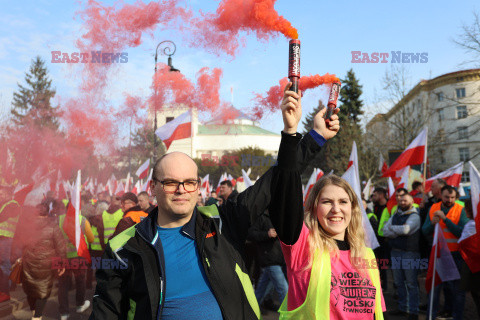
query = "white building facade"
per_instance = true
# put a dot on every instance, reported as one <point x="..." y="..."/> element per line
<point x="449" y="105"/>
<point x="218" y="136"/>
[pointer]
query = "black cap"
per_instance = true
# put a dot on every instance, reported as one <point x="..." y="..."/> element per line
<point x="129" y="196"/>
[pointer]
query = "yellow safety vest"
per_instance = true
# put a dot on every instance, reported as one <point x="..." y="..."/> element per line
<point x="7" y="228"/>
<point x="317" y="301"/>
<point x="110" y="222"/>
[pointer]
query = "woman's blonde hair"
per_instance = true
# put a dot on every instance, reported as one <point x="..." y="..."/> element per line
<point x="318" y="237"/>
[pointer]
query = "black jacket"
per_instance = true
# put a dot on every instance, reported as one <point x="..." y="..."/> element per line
<point x="269" y="252"/>
<point x="138" y="284"/>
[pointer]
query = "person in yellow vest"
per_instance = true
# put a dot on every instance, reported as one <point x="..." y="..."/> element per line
<point x="75" y="267"/>
<point x="452" y="218"/>
<point x="104" y="226"/>
<point x="9" y="214"/>
<point x="132" y="213"/>
<point x="331" y="273"/>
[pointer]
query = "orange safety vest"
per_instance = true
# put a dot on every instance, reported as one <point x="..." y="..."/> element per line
<point x="453" y="215"/>
<point x="136" y="216"/>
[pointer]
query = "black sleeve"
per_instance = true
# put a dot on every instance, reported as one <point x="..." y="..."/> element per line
<point x="258" y="232"/>
<point x="286" y="207"/>
<point x="238" y="215"/>
<point x="109" y="298"/>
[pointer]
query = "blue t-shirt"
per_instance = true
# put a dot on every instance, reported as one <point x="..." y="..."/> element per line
<point x="188" y="294"/>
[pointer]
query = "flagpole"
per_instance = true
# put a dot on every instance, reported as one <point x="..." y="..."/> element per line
<point x="191" y="132"/>
<point x="425" y="160"/>
<point x="432" y="288"/>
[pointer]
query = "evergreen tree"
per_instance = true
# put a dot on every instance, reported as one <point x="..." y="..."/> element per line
<point x="351" y="105"/>
<point x="33" y="101"/>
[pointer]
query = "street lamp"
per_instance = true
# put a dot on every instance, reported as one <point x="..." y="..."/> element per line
<point x="168" y="49"/>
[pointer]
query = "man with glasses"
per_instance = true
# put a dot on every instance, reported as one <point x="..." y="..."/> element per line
<point x="186" y="262"/>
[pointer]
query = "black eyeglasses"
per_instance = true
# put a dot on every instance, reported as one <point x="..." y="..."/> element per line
<point x="171" y="186"/>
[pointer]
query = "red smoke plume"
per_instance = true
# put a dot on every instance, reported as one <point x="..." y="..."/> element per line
<point x="219" y="31"/>
<point x="175" y="88"/>
<point x="271" y="101"/>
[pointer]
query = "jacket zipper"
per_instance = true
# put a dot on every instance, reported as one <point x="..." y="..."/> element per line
<point x="161" y="279"/>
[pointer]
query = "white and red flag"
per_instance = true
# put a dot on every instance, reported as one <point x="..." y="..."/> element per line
<point x="120" y="189"/>
<point x="452" y="177"/>
<point x="223" y="177"/>
<point x="142" y="172"/>
<point x="469" y="242"/>
<point x="178" y="128"/>
<point x="128" y="183"/>
<point x="441" y="263"/>
<point x="310" y="183"/>
<point x="146" y="185"/>
<point x="21" y="191"/>
<point x="352" y="178"/>
<point x="367" y="191"/>
<point x="71" y="225"/>
<point x="382" y="165"/>
<point x="136" y="188"/>
<point x="38" y="192"/>
<point x="414" y="154"/>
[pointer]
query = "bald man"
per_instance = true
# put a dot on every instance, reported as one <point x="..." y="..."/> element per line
<point x="184" y="261"/>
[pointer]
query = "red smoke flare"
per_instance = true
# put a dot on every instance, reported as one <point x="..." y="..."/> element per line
<point x="271" y="101"/>
<point x="219" y="31"/>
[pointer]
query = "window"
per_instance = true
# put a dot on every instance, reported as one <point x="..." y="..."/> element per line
<point x="460" y="92"/>
<point x="440" y="96"/>
<point x="169" y="119"/>
<point x="442" y="156"/>
<point x="465" y="177"/>
<point x="441" y="115"/>
<point x="462" y="132"/>
<point x="462" y="112"/>
<point x="464" y="154"/>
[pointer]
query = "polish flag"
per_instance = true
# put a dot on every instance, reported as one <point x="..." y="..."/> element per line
<point x="441" y="263"/>
<point x="310" y="183"/>
<point x="352" y="178"/>
<point x="229" y="177"/>
<point x="404" y="175"/>
<point x="127" y="183"/>
<point x="142" y="172"/>
<point x="38" y="192"/>
<point x="382" y="166"/>
<point x="320" y="174"/>
<point x="146" y="185"/>
<point x="136" y="188"/>
<point x="391" y="187"/>
<point x="469" y="242"/>
<point x="452" y="177"/>
<point x="246" y="179"/>
<point x="71" y="225"/>
<point x="178" y="128"/>
<point x="413" y="155"/>
<point x="21" y="192"/>
<point x="205" y="186"/>
<point x="120" y="189"/>
<point x="223" y="177"/>
<point x="367" y="191"/>
<point x="353" y="156"/>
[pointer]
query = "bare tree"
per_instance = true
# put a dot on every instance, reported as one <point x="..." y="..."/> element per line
<point x="469" y="39"/>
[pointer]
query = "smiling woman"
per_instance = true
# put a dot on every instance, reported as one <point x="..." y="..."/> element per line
<point x="323" y="276"/>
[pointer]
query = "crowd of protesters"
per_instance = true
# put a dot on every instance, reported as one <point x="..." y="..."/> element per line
<point x="405" y="232"/>
<point x="176" y="256"/>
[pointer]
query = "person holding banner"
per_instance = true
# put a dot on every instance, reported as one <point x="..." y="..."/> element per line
<point x="331" y="272"/>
